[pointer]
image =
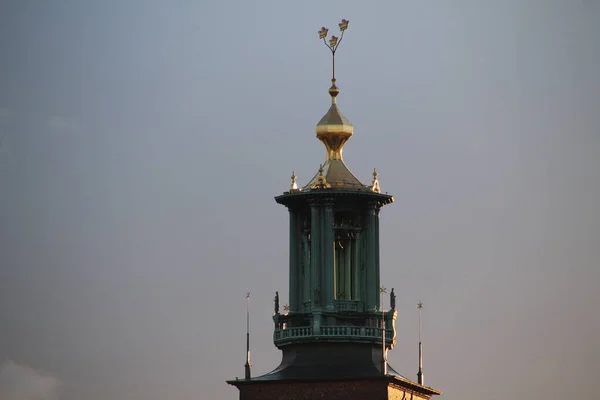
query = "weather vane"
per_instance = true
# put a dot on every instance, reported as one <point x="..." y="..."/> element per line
<point x="334" y="41"/>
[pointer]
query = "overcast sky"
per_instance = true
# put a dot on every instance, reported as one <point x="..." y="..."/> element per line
<point x="142" y="143"/>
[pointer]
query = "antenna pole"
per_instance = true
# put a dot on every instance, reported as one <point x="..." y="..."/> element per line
<point x="420" y="373"/>
<point x="247" y="365"/>
<point x="382" y="291"/>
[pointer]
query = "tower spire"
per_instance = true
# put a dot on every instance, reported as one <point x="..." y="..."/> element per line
<point x="335" y="327"/>
<point x="420" y="373"/>
<point x="334" y="129"/>
<point x="247" y="366"/>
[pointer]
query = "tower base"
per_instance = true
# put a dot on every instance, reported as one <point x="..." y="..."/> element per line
<point x="382" y="388"/>
<point x="349" y="371"/>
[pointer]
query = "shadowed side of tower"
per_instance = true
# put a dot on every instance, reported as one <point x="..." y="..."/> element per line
<point x="335" y="334"/>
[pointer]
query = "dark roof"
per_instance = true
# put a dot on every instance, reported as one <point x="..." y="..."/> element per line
<point x="332" y="362"/>
<point x="328" y="361"/>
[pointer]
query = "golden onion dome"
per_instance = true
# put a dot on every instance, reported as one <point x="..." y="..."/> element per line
<point x="334" y="129"/>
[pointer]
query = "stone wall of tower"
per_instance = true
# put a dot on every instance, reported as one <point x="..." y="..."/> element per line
<point x="330" y="390"/>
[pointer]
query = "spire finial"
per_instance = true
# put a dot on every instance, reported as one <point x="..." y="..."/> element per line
<point x="321" y="182"/>
<point x="375" y="184"/>
<point x="247" y="366"/>
<point x="420" y="373"/>
<point x="334" y="129"/>
<point x="334" y="43"/>
<point x="294" y="185"/>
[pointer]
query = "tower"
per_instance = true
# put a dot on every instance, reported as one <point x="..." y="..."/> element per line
<point x="335" y="334"/>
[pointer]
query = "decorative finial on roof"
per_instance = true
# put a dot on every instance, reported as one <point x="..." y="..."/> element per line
<point x="375" y="184"/>
<point x="294" y="185"/>
<point x="276" y="301"/>
<point x="321" y="182"/>
<point x="334" y="43"/>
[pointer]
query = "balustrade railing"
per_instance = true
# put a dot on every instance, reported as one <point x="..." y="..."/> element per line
<point x="331" y="331"/>
<point x="305" y="331"/>
<point x="341" y="331"/>
<point x="376" y="332"/>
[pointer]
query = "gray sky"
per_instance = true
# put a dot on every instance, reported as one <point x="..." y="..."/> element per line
<point x="142" y="142"/>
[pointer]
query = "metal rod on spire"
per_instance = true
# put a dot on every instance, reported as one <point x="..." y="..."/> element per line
<point x="247" y="366"/>
<point x="420" y="373"/>
<point x="383" y="290"/>
<point x="334" y="43"/>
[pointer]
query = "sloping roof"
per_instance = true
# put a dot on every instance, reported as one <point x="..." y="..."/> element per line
<point x="338" y="175"/>
<point x="327" y="361"/>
